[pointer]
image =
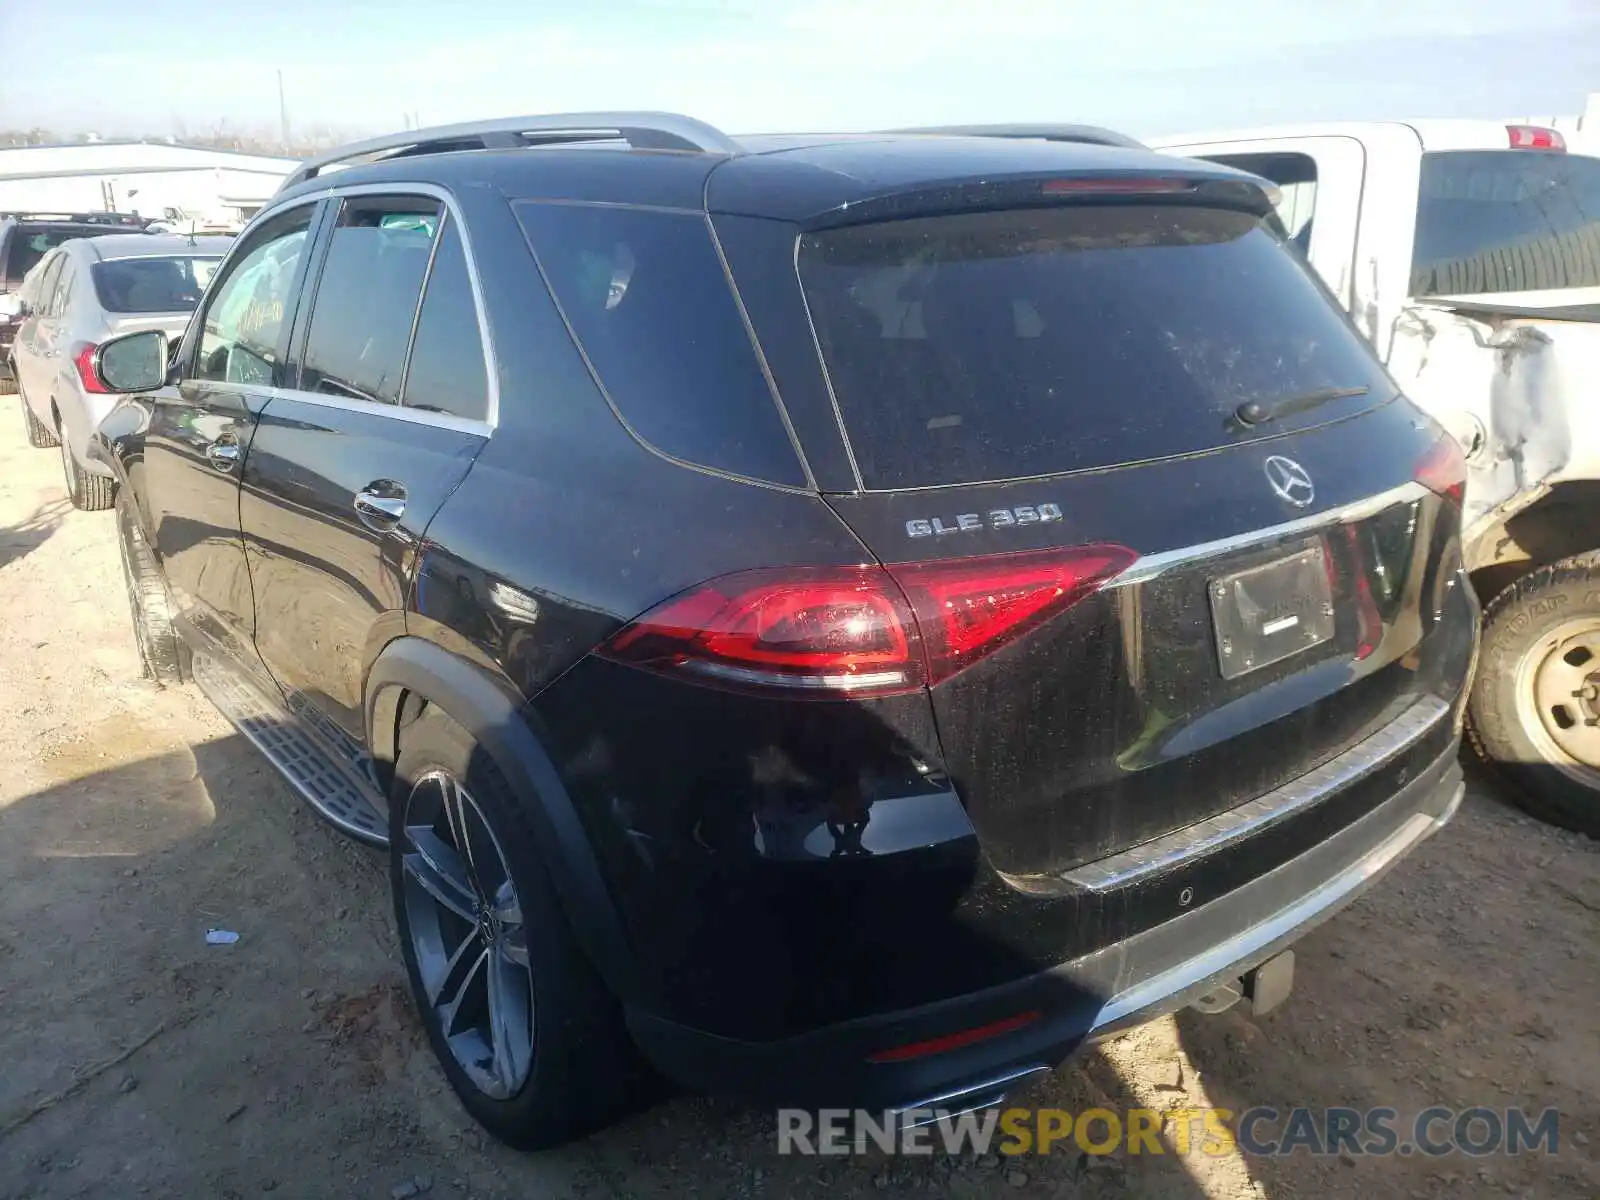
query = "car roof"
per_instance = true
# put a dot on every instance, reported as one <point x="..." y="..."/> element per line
<point x="151" y="245"/>
<point x="783" y="176"/>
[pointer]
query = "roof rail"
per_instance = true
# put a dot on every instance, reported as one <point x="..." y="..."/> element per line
<point x="1092" y="135"/>
<point x="641" y="130"/>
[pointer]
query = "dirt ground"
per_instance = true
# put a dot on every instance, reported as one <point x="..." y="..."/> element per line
<point x="135" y="1059"/>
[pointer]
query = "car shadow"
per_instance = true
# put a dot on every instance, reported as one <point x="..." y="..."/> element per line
<point x="32" y="531"/>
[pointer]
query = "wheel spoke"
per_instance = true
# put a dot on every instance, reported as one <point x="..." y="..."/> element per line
<point x="514" y="946"/>
<point x="505" y="907"/>
<point x="466" y="963"/>
<point x="455" y="816"/>
<point x="510" y="1021"/>
<point x="440" y="869"/>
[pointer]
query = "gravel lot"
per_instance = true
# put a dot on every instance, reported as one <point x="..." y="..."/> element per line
<point x="139" y="1060"/>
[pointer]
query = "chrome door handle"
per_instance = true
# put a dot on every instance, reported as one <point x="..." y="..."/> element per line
<point x="376" y="508"/>
<point x="223" y="454"/>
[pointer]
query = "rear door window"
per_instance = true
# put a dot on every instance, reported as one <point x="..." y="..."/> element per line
<point x="1500" y="221"/>
<point x="47" y="286"/>
<point x="447" y="373"/>
<point x="367" y="297"/>
<point x="650" y="303"/>
<point x="1001" y="345"/>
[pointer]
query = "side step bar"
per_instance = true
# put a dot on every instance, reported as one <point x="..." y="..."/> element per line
<point x="352" y="805"/>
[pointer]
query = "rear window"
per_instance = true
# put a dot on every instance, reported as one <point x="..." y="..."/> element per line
<point x="1506" y="221"/>
<point x="651" y="306"/>
<point x="1000" y="345"/>
<point x="152" y="285"/>
<point x="30" y="243"/>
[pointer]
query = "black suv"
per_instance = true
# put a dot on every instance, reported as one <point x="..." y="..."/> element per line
<point x="25" y="238"/>
<point x="840" y="619"/>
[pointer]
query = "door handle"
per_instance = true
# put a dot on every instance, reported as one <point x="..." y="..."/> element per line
<point x="223" y="453"/>
<point x="381" y="507"/>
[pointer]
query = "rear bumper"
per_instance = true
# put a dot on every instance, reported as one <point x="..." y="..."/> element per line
<point x="1157" y="971"/>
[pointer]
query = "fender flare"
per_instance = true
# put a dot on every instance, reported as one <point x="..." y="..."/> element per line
<point x="491" y="711"/>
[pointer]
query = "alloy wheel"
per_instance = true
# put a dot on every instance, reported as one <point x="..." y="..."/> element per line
<point x="466" y="927"/>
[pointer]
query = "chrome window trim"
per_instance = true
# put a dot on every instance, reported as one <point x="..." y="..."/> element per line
<point x="1214" y="833"/>
<point x="415" y="416"/>
<point x="1150" y="566"/>
<point x="400" y="188"/>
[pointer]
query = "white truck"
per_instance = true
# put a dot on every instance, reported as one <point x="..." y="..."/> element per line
<point x="1469" y="253"/>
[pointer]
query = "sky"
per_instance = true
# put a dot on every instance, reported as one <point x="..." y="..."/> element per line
<point x="1143" y="66"/>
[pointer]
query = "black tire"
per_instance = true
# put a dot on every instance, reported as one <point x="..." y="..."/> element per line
<point x="1510" y="716"/>
<point x="585" y="1072"/>
<point x="163" y="656"/>
<point x="40" y="435"/>
<point x="86" y="490"/>
<point x="8" y="383"/>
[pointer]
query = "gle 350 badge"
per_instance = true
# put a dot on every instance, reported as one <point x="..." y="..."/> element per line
<point x="995" y="518"/>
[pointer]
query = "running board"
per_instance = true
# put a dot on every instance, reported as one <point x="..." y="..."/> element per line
<point x="347" y="803"/>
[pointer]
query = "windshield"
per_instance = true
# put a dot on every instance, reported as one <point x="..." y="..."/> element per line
<point x="998" y="345"/>
<point x="1495" y="221"/>
<point x="152" y="285"/>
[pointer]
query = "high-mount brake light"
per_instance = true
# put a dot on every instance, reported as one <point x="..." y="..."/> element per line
<point x="1535" y="137"/>
<point x="860" y="630"/>
<point x="1116" y="186"/>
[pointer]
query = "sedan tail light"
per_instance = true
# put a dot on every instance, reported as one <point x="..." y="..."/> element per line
<point x="84" y="361"/>
<point x="862" y="630"/>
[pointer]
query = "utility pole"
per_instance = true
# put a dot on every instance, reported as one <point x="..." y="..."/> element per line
<point x="283" y="113"/>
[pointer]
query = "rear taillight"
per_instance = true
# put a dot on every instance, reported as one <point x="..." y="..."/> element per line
<point x="84" y="361"/>
<point x="970" y="607"/>
<point x="867" y="630"/>
<point x="1535" y="137"/>
<point x="1443" y="470"/>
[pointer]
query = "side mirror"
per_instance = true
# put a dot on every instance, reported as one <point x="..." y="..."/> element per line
<point x="134" y="362"/>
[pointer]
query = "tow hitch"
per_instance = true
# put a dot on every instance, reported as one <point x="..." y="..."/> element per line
<point x="1264" y="988"/>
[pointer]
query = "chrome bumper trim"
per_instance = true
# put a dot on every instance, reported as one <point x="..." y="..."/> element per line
<point x="1212" y="834"/>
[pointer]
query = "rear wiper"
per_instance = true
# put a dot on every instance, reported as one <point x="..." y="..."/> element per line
<point x="1253" y="412"/>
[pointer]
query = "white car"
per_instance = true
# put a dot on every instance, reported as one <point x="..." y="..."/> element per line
<point x="79" y="295"/>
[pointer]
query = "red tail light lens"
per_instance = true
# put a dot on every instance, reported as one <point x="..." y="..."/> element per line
<point x="1443" y="470"/>
<point x="1535" y="137"/>
<point x="968" y="608"/>
<point x="84" y="361"/>
<point x="852" y="631"/>
<point x="827" y="630"/>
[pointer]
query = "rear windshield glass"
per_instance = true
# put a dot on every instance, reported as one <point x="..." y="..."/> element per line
<point x="30" y="243"/>
<point x="1005" y="344"/>
<point x="152" y="285"/>
<point x="1506" y="221"/>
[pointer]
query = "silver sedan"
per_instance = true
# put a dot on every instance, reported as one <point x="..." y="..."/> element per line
<point x="80" y="294"/>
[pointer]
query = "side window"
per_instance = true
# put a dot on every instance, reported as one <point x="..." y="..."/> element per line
<point x="367" y="297"/>
<point x="50" y="276"/>
<point x="63" y="296"/>
<point x="650" y="303"/>
<point x="1296" y="177"/>
<point x="246" y="312"/>
<point x="447" y="372"/>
